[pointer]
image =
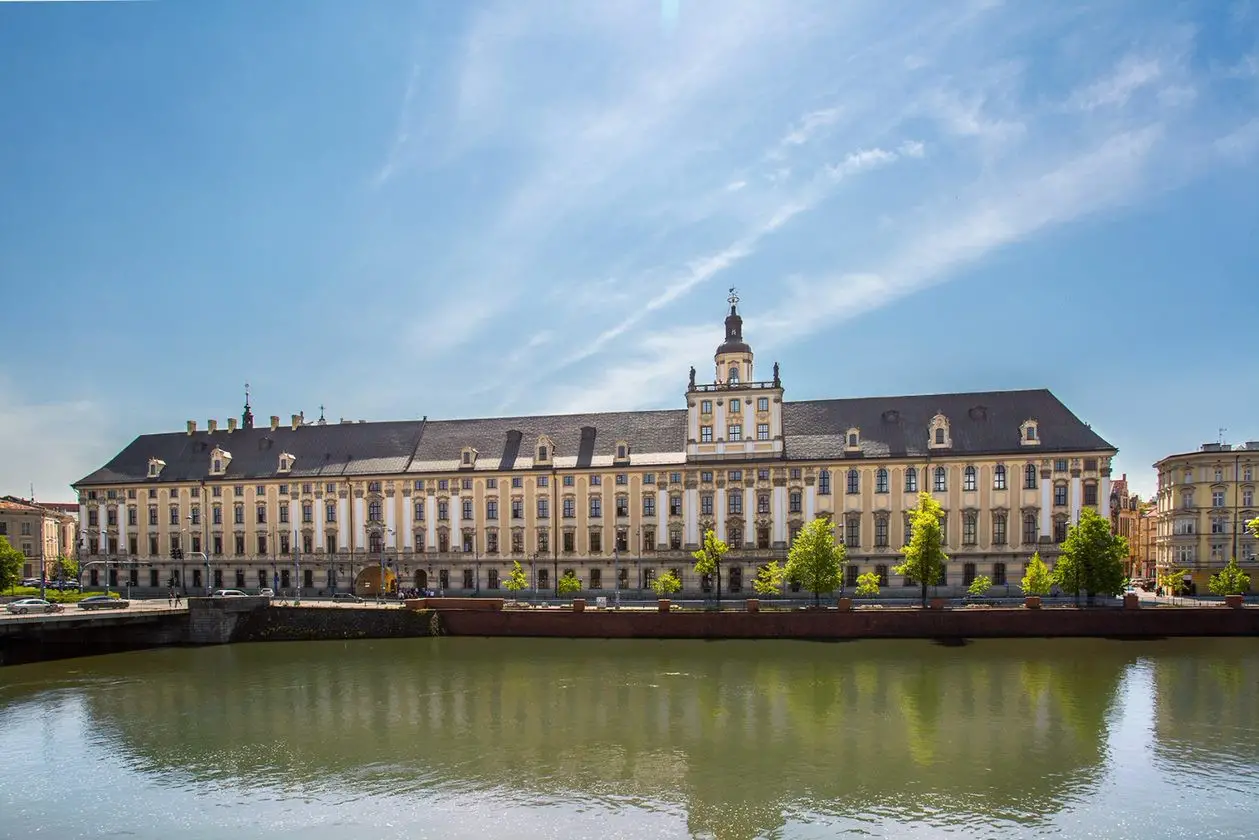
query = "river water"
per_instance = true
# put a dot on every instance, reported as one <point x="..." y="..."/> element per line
<point x="476" y="738"/>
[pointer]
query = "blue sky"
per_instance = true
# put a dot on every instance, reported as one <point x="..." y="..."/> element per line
<point x="399" y="209"/>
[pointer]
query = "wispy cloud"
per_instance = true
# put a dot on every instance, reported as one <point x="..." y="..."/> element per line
<point x="1131" y="75"/>
<point x="48" y="444"/>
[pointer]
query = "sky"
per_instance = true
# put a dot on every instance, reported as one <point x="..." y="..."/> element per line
<point x="397" y="209"/>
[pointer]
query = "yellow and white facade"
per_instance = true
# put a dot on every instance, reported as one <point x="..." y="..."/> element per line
<point x="615" y="497"/>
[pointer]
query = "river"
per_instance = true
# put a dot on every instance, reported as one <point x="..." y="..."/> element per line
<point x="474" y="738"/>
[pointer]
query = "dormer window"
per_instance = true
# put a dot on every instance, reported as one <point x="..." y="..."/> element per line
<point x="852" y="440"/>
<point x="938" y="433"/>
<point x="622" y="451"/>
<point x="467" y="458"/>
<point x="219" y="461"/>
<point x="1029" y="434"/>
<point x="733" y="377"/>
<point x="286" y="462"/>
<point x="155" y="467"/>
<point x="545" y="450"/>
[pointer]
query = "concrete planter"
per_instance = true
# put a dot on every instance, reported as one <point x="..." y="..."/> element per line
<point x="844" y="604"/>
<point x="1234" y="601"/>
<point x="1032" y="602"/>
<point x="936" y="603"/>
<point x="579" y="605"/>
<point x="1131" y="601"/>
<point x="754" y="605"/>
<point x="663" y="605"/>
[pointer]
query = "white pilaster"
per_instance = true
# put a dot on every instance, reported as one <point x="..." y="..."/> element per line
<point x="749" y="518"/>
<point x="122" y="528"/>
<point x="104" y="532"/>
<point x="343" y="524"/>
<point x="430" y="522"/>
<point x="360" y="523"/>
<point x="391" y="521"/>
<point x="1075" y="499"/>
<point x="720" y="503"/>
<point x="809" y="503"/>
<point x="1046" y="510"/>
<point x="319" y="512"/>
<point x="295" y="521"/>
<point x="690" y="515"/>
<point x="662" y="517"/>
<point x="408" y="521"/>
<point x="779" y="512"/>
<point x="1103" y="496"/>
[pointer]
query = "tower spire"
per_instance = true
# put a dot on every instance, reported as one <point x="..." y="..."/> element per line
<point x="247" y="418"/>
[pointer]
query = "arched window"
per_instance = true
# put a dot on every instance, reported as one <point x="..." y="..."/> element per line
<point x="854" y="481"/>
<point x="940" y="484"/>
<point x="969" y="479"/>
<point x="373" y="512"/>
<point x="880" y="481"/>
<point x="1029" y="477"/>
<point x="734" y="374"/>
<point x="824" y="482"/>
<point x="940" y="437"/>
<point x="998" y="477"/>
<point x="1030" y="529"/>
<point x="911" y="480"/>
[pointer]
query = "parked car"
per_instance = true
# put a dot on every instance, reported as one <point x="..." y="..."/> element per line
<point x="347" y="597"/>
<point x="65" y="584"/>
<point x="33" y="605"/>
<point x="266" y="592"/>
<point x="229" y="593"/>
<point x="103" y="602"/>
<point x="31" y="581"/>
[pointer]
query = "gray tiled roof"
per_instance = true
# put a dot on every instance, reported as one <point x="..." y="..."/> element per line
<point x="981" y="423"/>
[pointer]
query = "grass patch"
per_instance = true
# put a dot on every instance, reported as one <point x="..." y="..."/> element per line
<point x="55" y="596"/>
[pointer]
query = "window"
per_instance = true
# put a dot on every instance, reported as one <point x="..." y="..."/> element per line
<point x="596" y="507"/>
<point x="568" y="481"/>
<point x="998" y="529"/>
<point x="517" y="542"/>
<point x="238" y="514"/>
<point x="174" y="515"/>
<point x="569" y="541"/>
<point x="939" y="437"/>
<point x="622" y="505"/>
<point x="419" y="485"/>
<point x="542" y="453"/>
<point x="468" y="582"/>
<point x="331" y="512"/>
<point x="970" y="528"/>
<point x="1217" y="498"/>
<point x="262" y="543"/>
<point x="1090" y="495"/>
<point x="881" y="571"/>
<point x="793" y="503"/>
<point x="1029" y="477"/>
<point x="762" y="431"/>
<point x="516" y="482"/>
<point x="998" y="574"/>
<point x="596" y="481"/>
<point x="1029" y="431"/>
<point x="622" y="478"/>
<point x="517" y="508"/>
<point x="467" y="508"/>
<point x="675" y="540"/>
<point x="852" y="531"/>
<point x="705" y="434"/>
<point x="1030" y="529"/>
<point x="969" y="479"/>
<point x="853" y="440"/>
<point x="1248" y="498"/>
<point x="824" y="482"/>
<point x="734" y="503"/>
<point x="1060" y="494"/>
<point x="491" y="508"/>
<point x="443" y="510"/>
<point x="544" y="542"/>
<point x="284" y="513"/>
<point x="675" y="505"/>
<point x="762" y="538"/>
<point x="132" y="516"/>
<point x="596" y="578"/>
<point x="735" y="432"/>
<point x="736" y="406"/>
<point x="940" y="483"/>
<point x="706" y="407"/>
<point x="795" y="472"/>
<point x="706" y="504"/>
<point x="649" y="504"/>
<point x="880" y="531"/>
<point x="853" y="482"/>
<point x="762" y="503"/>
<point x="1060" y="465"/>
<point x="649" y="478"/>
<point x="675" y="478"/>
<point x="1219" y="525"/>
<point x="261" y="514"/>
<point x="544" y="508"/>
<point x="570" y="508"/>
<point x="443" y="484"/>
<point x="734" y="374"/>
<point x="911" y="480"/>
<point x="1248" y="474"/>
<point x="762" y="404"/>
<point x="308" y="511"/>
<point x="706" y="478"/>
<point x="880" y="480"/>
<point x="1060" y="529"/>
<point x="1219" y="475"/>
<point x="596" y="542"/>
<point x="998" y="477"/>
<point x="542" y="481"/>
<point x="735" y="475"/>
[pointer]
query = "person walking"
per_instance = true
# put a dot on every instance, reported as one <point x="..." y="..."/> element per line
<point x="170" y="597"/>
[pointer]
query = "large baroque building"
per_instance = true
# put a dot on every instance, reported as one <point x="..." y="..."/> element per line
<point x="1205" y="499"/>
<point x="615" y="497"/>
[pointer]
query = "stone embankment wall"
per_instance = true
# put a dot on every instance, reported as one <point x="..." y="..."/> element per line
<point x="308" y="624"/>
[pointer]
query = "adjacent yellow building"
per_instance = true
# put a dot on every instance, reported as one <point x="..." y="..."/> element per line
<point x="42" y="533"/>
<point x="616" y="497"/>
<point x="1205" y="499"/>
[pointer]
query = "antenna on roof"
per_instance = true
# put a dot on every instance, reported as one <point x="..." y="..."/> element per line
<point x="1222" y="431"/>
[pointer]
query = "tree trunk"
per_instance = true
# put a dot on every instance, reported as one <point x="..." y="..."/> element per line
<point x="717" y="566"/>
<point x="924" y="586"/>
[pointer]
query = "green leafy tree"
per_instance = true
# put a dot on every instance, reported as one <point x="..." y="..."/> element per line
<point x="1038" y="579"/>
<point x="517" y="580"/>
<point x="67" y="568"/>
<point x="11" y="562"/>
<point x="769" y="580"/>
<point x="924" y="555"/>
<point x="867" y="585"/>
<point x="1173" y="583"/>
<point x="708" y="558"/>
<point x="979" y="586"/>
<point x="1253" y="525"/>
<point x="1230" y="580"/>
<point x="1092" y="558"/>
<point x="568" y="584"/>
<point x="815" y="560"/>
<point x="666" y="584"/>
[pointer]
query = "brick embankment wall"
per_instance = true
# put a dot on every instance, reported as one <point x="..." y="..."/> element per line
<point x="293" y="624"/>
<point x="859" y="624"/>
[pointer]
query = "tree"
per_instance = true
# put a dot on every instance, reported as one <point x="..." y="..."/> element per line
<point x="1173" y="583"/>
<point x="867" y="585"/>
<point x="979" y="586"/>
<point x="1092" y="558"/>
<point x="924" y="555"/>
<point x="517" y="580"/>
<point x="67" y="568"/>
<point x="815" y="560"/>
<point x="1253" y="525"/>
<point x="11" y="562"/>
<point x="666" y="584"/>
<point x="1038" y="579"/>
<point x="708" y="558"/>
<point x="568" y="584"/>
<point x="1231" y="580"/>
<point x="769" y="580"/>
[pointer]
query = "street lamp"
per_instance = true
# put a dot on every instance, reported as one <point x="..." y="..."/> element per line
<point x="297" y="571"/>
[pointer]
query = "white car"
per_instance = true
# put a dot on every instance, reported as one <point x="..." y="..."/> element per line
<point x="33" y="605"/>
<point x="229" y="593"/>
<point x="266" y="592"/>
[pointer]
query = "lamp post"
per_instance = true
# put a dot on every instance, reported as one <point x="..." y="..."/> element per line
<point x="533" y="576"/>
<point x="297" y="571"/>
<point x="616" y="572"/>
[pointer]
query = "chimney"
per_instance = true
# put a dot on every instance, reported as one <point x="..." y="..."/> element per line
<point x="212" y="425"/>
<point x="192" y="427"/>
<point x="275" y="422"/>
<point x="297" y="421"/>
<point x="231" y="425"/>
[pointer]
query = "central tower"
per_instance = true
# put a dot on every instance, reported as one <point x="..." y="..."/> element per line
<point x="733" y="357"/>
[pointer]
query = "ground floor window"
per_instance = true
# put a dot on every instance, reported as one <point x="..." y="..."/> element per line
<point x="240" y="578"/>
<point x="308" y="578"/>
<point x="467" y="579"/>
<point x="133" y="577"/>
<point x="544" y="578"/>
<point x="443" y="578"/>
<point x="285" y="583"/>
<point x="998" y="574"/>
<point x="596" y="578"/>
<point x="881" y="571"/>
<point x="736" y="579"/>
<point x="196" y="578"/>
<point x="218" y="578"/>
<point x="262" y="578"/>
<point x="492" y="579"/>
<point x="153" y="578"/>
<point x="648" y="576"/>
<point x="850" y="574"/>
<point x="968" y="574"/>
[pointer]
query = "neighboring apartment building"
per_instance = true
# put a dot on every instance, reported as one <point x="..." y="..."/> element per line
<point x="1205" y="499"/>
<point x="1126" y="509"/>
<point x="615" y="497"/>
<point x="41" y="532"/>
<point x="1145" y="565"/>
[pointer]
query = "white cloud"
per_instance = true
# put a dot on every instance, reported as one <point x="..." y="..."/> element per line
<point x="1129" y="76"/>
<point x="48" y="444"/>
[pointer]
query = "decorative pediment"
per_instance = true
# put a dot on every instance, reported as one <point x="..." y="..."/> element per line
<point x="286" y="462"/>
<point x="544" y="451"/>
<point x="155" y="467"/>
<point x="467" y="458"/>
<point x="1029" y="433"/>
<point x="220" y="458"/>
<point x="938" y="433"/>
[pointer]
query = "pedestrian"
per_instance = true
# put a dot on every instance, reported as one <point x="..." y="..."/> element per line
<point x="170" y="597"/>
<point x="179" y="598"/>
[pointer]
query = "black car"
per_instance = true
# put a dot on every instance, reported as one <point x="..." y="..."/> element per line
<point x="104" y="602"/>
<point x="347" y="597"/>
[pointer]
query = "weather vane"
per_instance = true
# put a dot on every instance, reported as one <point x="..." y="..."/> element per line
<point x="734" y="296"/>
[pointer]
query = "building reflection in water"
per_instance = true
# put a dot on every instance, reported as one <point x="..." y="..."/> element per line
<point x="739" y="736"/>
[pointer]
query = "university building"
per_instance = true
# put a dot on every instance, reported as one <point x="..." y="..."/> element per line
<point x="616" y="497"/>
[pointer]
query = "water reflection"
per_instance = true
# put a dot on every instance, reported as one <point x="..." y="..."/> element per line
<point x="738" y="735"/>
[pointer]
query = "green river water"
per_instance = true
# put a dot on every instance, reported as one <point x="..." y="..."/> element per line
<point x="474" y="738"/>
